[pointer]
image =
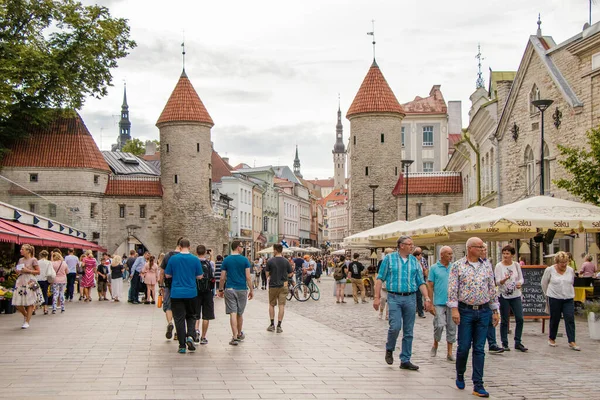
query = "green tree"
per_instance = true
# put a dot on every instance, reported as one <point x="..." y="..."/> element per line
<point x="134" y="146"/>
<point x="54" y="54"/>
<point x="584" y="168"/>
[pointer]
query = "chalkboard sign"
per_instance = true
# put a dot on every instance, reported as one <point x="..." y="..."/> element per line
<point x="534" y="301"/>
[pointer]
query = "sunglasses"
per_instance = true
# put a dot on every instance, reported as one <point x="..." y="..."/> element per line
<point x="417" y="254"/>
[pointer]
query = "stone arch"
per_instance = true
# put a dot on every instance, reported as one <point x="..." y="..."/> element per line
<point x="534" y="94"/>
<point x="529" y="161"/>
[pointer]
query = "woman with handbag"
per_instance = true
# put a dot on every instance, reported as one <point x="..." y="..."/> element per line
<point x="42" y="278"/>
<point x="27" y="294"/>
<point x="60" y="281"/>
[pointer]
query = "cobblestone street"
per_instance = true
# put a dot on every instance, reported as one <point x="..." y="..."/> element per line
<point x="327" y="351"/>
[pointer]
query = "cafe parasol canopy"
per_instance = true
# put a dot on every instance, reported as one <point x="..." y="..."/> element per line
<point x="363" y="240"/>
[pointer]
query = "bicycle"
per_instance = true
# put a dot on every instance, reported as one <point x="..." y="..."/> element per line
<point x="303" y="292"/>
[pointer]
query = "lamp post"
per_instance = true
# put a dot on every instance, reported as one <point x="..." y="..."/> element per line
<point x="372" y="208"/>
<point x="542" y="105"/>
<point x="405" y="165"/>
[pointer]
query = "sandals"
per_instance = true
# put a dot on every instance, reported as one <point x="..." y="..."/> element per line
<point x="574" y="347"/>
<point x="552" y="344"/>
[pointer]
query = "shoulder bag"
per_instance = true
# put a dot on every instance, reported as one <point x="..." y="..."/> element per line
<point x="51" y="274"/>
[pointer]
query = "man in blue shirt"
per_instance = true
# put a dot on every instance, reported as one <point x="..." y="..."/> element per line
<point x="299" y="265"/>
<point x="136" y="270"/>
<point x="403" y="276"/>
<point x="184" y="269"/>
<point x="236" y="280"/>
<point x="437" y="283"/>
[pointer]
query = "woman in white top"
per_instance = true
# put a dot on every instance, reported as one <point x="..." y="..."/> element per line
<point x="42" y="278"/>
<point x="557" y="284"/>
<point x="509" y="278"/>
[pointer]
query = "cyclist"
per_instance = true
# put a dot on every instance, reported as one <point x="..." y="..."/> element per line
<point x="310" y="272"/>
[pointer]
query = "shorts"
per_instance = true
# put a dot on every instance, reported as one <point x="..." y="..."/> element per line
<point x="341" y="281"/>
<point x="205" y="306"/>
<point x="277" y="295"/>
<point x="109" y="279"/>
<point x="102" y="286"/>
<point x="235" y="301"/>
<point x="166" y="299"/>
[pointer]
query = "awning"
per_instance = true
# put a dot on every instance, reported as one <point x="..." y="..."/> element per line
<point x="16" y="232"/>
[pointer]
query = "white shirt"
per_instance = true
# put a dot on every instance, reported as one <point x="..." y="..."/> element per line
<point x="558" y="286"/>
<point x="509" y="290"/>
<point x="44" y="266"/>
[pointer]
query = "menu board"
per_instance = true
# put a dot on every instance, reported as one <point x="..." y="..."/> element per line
<point x="534" y="301"/>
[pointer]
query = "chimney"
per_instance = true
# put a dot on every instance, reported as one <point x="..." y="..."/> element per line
<point x="150" y="148"/>
<point x="226" y="159"/>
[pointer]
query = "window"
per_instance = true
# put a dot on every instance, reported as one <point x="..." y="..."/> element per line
<point x="32" y="207"/>
<point x="402" y="136"/>
<point x="354" y="139"/>
<point x="52" y="210"/>
<point x="396" y="171"/>
<point x="93" y="210"/>
<point x="176" y="179"/>
<point x="33" y="177"/>
<point x="446" y="208"/>
<point x="530" y="170"/>
<point x="534" y="95"/>
<point x="167" y="147"/>
<point x="382" y="138"/>
<point x="143" y="211"/>
<point x="121" y="211"/>
<point x="596" y="61"/>
<point x="547" y="180"/>
<point x="419" y="209"/>
<point x="428" y="136"/>
<point x="198" y="147"/>
<point x="96" y="179"/>
<point x="428" y="166"/>
<point x="367" y="171"/>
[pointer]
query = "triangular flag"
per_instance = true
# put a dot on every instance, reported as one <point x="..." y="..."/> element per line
<point x="70" y="231"/>
<point x="84" y="235"/>
<point x="62" y="228"/>
<point x="35" y="220"/>
<point x="17" y="215"/>
<point x="50" y="224"/>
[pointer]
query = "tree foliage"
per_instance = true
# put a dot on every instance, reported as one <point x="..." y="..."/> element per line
<point x="134" y="146"/>
<point x="54" y="54"/>
<point x="584" y="167"/>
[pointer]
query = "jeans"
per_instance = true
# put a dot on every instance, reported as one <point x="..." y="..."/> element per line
<point x="473" y="329"/>
<point x="491" y="335"/>
<point x="134" y="288"/>
<point x="58" y="293"/>
<point x="70" y="285"/>
<point x="402" y="316"/>
<point x="420" y="303"/>
<point x="566" y="307"/>
<point x="44" y="288"/>
<point x="505" y="306"/>
<point x="184" y="315"/>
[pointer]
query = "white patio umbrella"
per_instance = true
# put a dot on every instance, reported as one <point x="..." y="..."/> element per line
<point x="339" y="252"/>
<point x="268" y="250"/>
<point x="362" y="239"/>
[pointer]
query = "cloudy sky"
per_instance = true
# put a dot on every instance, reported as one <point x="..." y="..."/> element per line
<point x="269" y="72"/>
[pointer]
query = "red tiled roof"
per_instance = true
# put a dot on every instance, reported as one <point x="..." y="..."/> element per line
<point x="241" y="166"/>
<point x="184" y="105"/>
<point x="220" y="168"/>
<point x="454" y="138"/>
<point x="374" y="95"/>
<point x="322" y="182"/>
<point x="433" y="104"/>
<point x="134" y="187"/>
<point x="335" y="196"/>
<point x="434" y="184"/>
<point x="64" y="143"/>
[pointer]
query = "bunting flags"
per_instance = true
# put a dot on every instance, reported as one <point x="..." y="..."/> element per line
<point x="17" y="215"/>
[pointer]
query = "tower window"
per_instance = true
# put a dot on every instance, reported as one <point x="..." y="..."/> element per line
<point x="143" y="211"/>
<point x="32" y="207"/>
<point x="396" y="171"/>
<point x="167" y="147"/>
<point x="93" y="210"/>
<point x="367" y="171"/>
<point x="446" y="208"/>
<point x="96" y="179"/>
<point x="419" y="209"/>
<point x="176" y="180"/>
<point x="382" y="138"/>
<point x="52" y="210"/>
<point x="354" y="140"/>
<point x="198" y="147"/>
<point x="33" y="177"/>
<point x="121" y="211"/>
<point x="402" y="136"/>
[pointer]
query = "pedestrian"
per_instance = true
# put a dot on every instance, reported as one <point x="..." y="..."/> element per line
<point x="59" y="285"/>
<point x="102" y="277"/>
<point x="557" y="284"/>
<point x="107" y="262"/>
<point x="298" y="264"/>
<point x="403" y="276"/>
<point x="27" y="294"/>
<point x="588" y="268"/>
<point x="87" y="281"/>
<point x="572" y="262"/>
<point x="383" y="308"/>
<point x="129" y="264"/>
<point x="355" y="270"/>
<point x="150" y="279"/>
<point x="80" y="274"/>
<point x="236" y="287"/>
<point x="510" y="280"/>
<point x="319" y="270"/>
<point x="340" y="273"/>
<point x="184" y="269"/>
<point x="165" y="284"/>
<point x="418" y="253"/>
<point x="116" y="275"/>
<point x="42" y="278"/>
<point x="125" y="268"/>
<point x="493" y="347"/>
<point x="256" y="273"/>
<point x="263" y="274"/>
<point x="278" y="271"/>
<point x="218" y="264"/>
<point x="437" y="283"/>
<point x="473" y="300"/>
<point x="72" y="262"/>
<point x="136" y="271"/>
<point x="205" y="301"/>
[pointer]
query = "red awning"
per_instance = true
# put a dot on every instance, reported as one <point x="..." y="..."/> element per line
<point x="16" y="232"/>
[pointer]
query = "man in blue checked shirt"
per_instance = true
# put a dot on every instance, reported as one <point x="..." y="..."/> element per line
<point x="403" y="277"/>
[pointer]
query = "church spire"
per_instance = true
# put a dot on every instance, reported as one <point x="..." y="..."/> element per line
<point x="339" y="133"/>
<point x="124" y="123"/>
<point x="297" y="164"/>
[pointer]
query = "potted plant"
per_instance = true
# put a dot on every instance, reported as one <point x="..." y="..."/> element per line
<point x="592" y="310"/>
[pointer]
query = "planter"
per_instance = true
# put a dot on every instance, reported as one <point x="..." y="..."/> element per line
<point x="594" y="326"/>
<point x="7" y="307"/>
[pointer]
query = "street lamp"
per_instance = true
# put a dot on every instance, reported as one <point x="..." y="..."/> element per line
<point x="405" y="165"/>
<point x="372" y="208"/>
<point x="542" y="105"/>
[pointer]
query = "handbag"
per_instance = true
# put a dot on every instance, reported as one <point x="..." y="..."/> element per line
<point x="51" y="274"/>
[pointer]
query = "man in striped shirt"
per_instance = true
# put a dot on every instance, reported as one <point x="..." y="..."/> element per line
<point x="403" y="277"/>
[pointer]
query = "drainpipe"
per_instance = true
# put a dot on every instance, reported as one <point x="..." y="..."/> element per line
<point x="496" y="144"/>
<point x="466" y="136"/>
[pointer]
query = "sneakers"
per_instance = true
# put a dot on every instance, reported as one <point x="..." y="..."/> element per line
<point x="25" y="325"/>
<point x="181" y="350"/>
<point x="279" y="330"/>
<point x="271" y="328"/>
<point x="190" y="343"/>
<point x="480" y="392"/>
<point x="196" y="337"/>
<point x="203" y="340"/>
<point x="169" y="333"/>
<point x="460" y="382"/>
<point x="433" y="352"/>
<point x="241" y="336"/>
<point x="506" y="348"/>
<point x="520" y="347"/>
<point x="495" y="349"/>
<point x="233" y="341"/>
<point x="389" y="357"/>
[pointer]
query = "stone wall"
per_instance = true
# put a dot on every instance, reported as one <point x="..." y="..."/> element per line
<point x="430" y="204"/>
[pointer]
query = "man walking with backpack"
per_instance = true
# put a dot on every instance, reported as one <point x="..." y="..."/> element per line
<point x="339" y="274"/>
<point x="206" y="302"/>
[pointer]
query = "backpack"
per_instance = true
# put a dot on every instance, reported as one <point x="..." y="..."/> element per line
<point x="338" y="272"/>
<point x="208" y="279"/>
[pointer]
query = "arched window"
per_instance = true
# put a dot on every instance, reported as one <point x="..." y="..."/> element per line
<point x="547" y="179"/>
<point x="534" y="95"/>
<point x="530" y="170"/>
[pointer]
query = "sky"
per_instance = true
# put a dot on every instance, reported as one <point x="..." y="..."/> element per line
<point x="270" y="72"/>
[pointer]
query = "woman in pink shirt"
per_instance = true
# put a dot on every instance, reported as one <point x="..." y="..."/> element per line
<point x="60" y="282"/>
<point x="588" y="268"/>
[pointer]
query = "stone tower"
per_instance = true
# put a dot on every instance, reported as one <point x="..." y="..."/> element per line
<point x="339" y="154"/>
<point x="186" y="171"/>
<point x="124" y="123"/>
<point x="376" y="151"/>
<point x="297" y="165"/>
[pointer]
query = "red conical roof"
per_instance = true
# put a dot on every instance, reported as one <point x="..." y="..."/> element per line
<point x="374" y="95"/>
<point x="184" y="105"/>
